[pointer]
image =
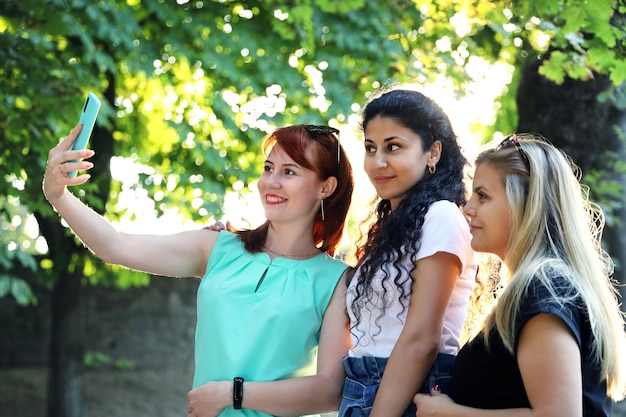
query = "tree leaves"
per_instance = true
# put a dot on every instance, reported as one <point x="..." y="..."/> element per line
<point x="17" y="288"/>
<point x="196" y="85"/>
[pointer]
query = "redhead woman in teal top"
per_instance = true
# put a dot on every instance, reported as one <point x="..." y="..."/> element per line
<point x="269" y="304"/>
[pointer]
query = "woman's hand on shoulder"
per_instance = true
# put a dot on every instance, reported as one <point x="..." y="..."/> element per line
<point x="219" y="226"/>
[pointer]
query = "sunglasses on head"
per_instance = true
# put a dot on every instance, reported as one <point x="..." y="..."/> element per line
<point x="512" y="141"/>
<point x="325" y="130"/>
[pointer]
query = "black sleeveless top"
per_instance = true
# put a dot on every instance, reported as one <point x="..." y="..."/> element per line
<point x="492" y="380"/>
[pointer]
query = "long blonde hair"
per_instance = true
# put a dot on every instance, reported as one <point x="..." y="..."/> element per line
<point x="556" y="229"/>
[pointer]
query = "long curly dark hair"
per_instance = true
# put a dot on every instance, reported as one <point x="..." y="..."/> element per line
<point x="393" y="235"/>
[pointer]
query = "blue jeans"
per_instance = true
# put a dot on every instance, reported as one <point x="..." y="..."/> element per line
<point x="363" y="377"/>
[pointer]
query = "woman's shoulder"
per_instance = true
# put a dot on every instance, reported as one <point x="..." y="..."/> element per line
<point x="553" y="293"/>
<point x="325" y="266"/>
<point x="321" y="263"/>
<point x="227" y="243"/>
<point x="445" y="211"/>
<point x="225" y="237"/>
<point x="445" y="207"/>
<point x="549" y="285"/>
<point x="445" y="215"/>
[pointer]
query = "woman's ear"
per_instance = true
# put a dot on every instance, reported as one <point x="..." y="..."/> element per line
<point x="434" y="153"/>
<point x="328" y="187"/>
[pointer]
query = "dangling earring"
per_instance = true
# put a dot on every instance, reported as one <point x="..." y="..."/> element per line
<point x="322" y="208"/>
<point x="432" y="169"/>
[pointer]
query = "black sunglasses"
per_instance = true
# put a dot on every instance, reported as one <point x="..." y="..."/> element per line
<point x="325" y="130"/>
<point x="512" y="141"/>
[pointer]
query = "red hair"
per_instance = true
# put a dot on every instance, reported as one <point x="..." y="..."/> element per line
<point x="318" y="150"/>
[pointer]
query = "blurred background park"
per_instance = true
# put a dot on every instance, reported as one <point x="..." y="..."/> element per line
<point x="189" y="89"/>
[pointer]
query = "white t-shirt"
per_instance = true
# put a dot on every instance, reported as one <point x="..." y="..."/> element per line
<point x="445" y="229"/>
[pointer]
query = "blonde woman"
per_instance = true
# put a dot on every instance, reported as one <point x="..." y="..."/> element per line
<point x="553" y="345"/>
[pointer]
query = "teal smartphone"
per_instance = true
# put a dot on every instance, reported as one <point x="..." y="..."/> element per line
<point x="88" y="117"/>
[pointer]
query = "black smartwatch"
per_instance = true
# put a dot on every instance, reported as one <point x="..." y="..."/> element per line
<point x="237" y="392"/>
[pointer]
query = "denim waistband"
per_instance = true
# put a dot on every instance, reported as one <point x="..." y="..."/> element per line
<point x="366" y="369"/>
<point x="369" y="369"/>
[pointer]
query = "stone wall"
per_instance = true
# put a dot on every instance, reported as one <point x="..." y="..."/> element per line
<point x="147" y="325"/>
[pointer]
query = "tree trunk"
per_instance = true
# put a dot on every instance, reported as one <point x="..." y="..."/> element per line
<point x="66" y="350"/>
<point x="570" y="116"/>
<point x="65" y="385"/>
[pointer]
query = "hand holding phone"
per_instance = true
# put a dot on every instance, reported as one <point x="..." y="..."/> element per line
<point x="88" y="118"/>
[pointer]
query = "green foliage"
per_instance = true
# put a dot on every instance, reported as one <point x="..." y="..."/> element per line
<point x="98" y="360"/>
<point x="17" y="288"/>
<point x="191" y="88"/>
<point x="586" y="37"/>
<point x="17" y="250"/>
<point x="606" y="185"/>
<point x="607" y="192"/>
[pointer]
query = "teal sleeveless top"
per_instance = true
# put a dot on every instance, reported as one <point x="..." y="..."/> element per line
<point x="260" y="319"/>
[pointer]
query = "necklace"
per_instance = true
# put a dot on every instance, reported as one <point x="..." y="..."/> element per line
<point x="285" y="255"/>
